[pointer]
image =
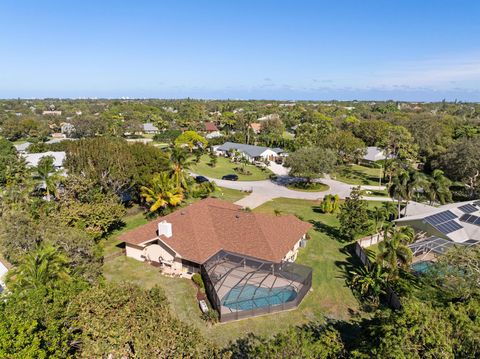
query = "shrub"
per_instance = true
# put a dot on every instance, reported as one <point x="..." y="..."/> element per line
<point x="330" y="204"/>
<point x="210" y="316"/>
<point x="197" y="279"/>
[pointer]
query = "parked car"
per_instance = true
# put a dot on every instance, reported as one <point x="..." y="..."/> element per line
<point x="230" y="177"/>
<point x="201" y="179"/>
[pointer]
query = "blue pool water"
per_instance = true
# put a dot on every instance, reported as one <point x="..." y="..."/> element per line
<point x="251" y="297"/>
<point x="421" y="267"/>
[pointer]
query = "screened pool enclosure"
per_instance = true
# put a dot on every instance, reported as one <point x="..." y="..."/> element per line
<point x="240" y="286"/>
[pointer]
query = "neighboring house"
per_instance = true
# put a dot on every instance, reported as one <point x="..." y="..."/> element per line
<point x="150" y="128"/>
<point x="58" y="136"/>
<point x="52" y="113"/>
<point x="32" y="159"/>
<point x="188" y="237"/>
<point x="374" y="154"/>
<point x="58" y="140"/>
<point x="140" y="140"/>
<point x="215" y="134"/>
<point x="23" y="147"/>
<point x="67" y="128"/>
<point x="252" y="153"/>
<point x="445" y="226"/>
<point x="272" y="116"/>
<point x="256" y="127"/>
<point x="211" y="127"/>
<point x="212" y="130"/>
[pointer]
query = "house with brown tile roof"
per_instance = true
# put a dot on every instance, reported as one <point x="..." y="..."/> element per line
<point x="188" y="237"/>
<point x="211" y="127"/>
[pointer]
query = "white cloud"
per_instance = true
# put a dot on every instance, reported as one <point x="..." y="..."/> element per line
<point x="438" y="73"/>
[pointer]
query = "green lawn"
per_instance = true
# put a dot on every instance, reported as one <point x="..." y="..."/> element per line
<point x="224" y="166"/>
<point x="329" y="297"/>
<point x="228" y="194"/>
<point x="358" y="175"/>
<point x="314" y="187"/>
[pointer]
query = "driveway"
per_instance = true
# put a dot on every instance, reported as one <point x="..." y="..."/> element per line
<point x="264" y="191"/>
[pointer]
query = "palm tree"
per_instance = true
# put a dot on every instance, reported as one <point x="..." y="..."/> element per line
<point x="48" y="175"/>
<point x="439" y="188"/>
<point x="45" y="266"/>
<point x="397" y="189"/>
<point x="164" y="192"/>
<point x="180" y="161"/>
<point x="394" y="253"/>
<point x="379" y="215"/>
<point x="370" y="281"/>
<point x="405" y="185"/>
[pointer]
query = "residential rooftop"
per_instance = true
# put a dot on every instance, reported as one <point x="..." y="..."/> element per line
<point x="204" y="228"/>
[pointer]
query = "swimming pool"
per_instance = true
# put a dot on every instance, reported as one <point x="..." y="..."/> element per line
<point x="251" y="297"/>
<point x="421" y="267"/>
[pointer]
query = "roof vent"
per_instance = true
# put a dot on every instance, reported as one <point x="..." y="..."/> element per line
<point x="237" y="216"/>
<point x="165" y="229"/>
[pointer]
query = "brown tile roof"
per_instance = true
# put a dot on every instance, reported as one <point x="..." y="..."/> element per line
<point x="202" y="229"/>
<point x="210" y="127"/>
<point x="257" y="127"/>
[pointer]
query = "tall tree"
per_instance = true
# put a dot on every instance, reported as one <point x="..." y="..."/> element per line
<point x="462" y="163"/>
<point x="163" y="192"/>
<point x="438" y="188"/>
<point x="394" y="252"/>
<point x="353" y="215"/>
<point x="48" y="175"/>
<point x="43" y="267"/>
<point x="311" y="162"/>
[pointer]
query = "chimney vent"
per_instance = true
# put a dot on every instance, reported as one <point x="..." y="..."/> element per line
<point x="165" y="229"/>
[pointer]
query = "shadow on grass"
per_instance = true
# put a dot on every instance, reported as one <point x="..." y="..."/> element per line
<point x="329" y="231"/>
<point x="359" y="176"/>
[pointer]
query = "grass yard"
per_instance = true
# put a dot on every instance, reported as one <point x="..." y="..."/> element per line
<point x="227" y="194"/>
<point x="224" y="166"/>
<point x="314" y="187"/>
<point x="330" y="297"/>
<point x="359" y="175"/>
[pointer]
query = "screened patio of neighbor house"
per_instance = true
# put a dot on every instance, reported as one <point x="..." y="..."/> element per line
<point x="240" y="286"/>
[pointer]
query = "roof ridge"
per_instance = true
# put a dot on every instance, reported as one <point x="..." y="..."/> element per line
<point x="259" y="225"/>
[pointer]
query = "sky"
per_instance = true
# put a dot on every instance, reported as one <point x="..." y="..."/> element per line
<point x="408" y="50"/>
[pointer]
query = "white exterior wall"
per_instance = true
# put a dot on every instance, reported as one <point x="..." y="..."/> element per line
<point x="135" y="252"/>
<point x="267" y="153"/>
<point x="291" y="256"/>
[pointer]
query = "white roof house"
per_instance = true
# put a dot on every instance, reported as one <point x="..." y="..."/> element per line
<point x="23" y="147"/>
<point x="249" y="151"/>
<point x="455" y="222"/>
<point x="374" y="154"/>
<point x="32" y="159"/>
<point x="150" y="128"/>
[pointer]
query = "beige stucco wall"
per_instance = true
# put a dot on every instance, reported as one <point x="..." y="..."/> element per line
<point x="291" y="256"/>
<point x="156" y="250"/>
<point x="134" y="251"/>
<point x="152" y="252"/>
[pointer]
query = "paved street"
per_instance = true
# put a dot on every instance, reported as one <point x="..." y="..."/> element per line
<point x="264" y="191"/>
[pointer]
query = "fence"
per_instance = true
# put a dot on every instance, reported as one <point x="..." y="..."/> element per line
<point x="252" y="283"/>
<point x="366" y="242"/>
<point x="391" y="298"/>
<point x="114" y="255"/>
